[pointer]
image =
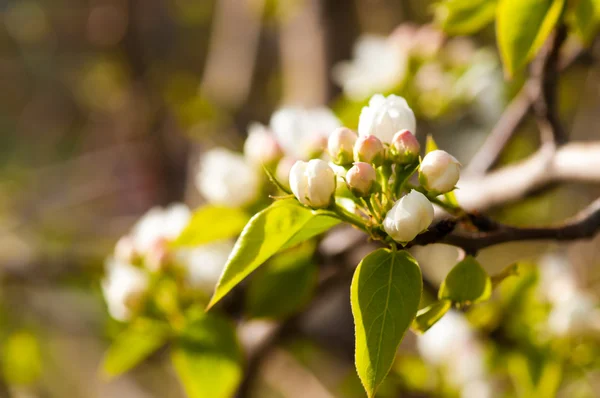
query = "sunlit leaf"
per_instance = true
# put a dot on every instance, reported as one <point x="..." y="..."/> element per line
<point x="20" y="357"/>
<point x="467" y="282"/>
<point x="281" y="225"/>
<point x="430" y="144"/>
<point x="207" y="358"/>
<point x="428" y="316"/>
<point x="385" y="295"/>
<point x="463" y="17"/>
<point x="133" y="345"/>
<point x="587" y="19"/>
<point x="210" y="223"/>
<point x="522" y="26"/>
<point x="283" y="285"/>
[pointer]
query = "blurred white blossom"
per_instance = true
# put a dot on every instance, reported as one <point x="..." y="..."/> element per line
<point x="302" y="132"/>
<point x="123" y="286"/>
<point x="204" y="264"/>
<point x="159" y="224"/>
<point x="261" y="147"/>
<point x="379" y="64"/>
<point x="226" y="178"/>
<point x="452" y="344"/>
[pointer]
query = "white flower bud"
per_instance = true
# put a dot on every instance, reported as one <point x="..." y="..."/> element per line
<point x="341" y="145"/>
<point x="313" y="182"/>
<point x="360" y="178"/>
<point x="123" y="287"/>
<point x="369" y="149"/>
<point x="227" y="179"/>
<point x="385" y="116"/>
<point x="404" y="148"/>
<point x="261" y="147"/>
<point x="439" y="172"/>
<point x="409" y="216"/>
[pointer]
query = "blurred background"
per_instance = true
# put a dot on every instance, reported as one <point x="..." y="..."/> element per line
<point x="106" y="106"/>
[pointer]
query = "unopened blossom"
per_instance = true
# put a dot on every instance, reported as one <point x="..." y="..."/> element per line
<point x="300" y="131"/>
<point x="439" y="172"/>
<point x="261" y="147"/>
<point x="156" y="226"/>
<point x="123" y="287"/>
<point x="369" y="149"/>
<point x="404" y="148"/>
<point x="204" y="264"/>
<point x="341" y="145"/>
<point x="409" y="216"/>
<point x="313" y="182"/>
<point x="360" y="178"/>
<point x="226" y="178"/>
<point x="379" y="64"/>
<point x="385" y="116"/>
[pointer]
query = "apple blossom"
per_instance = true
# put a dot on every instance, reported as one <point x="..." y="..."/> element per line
<point x="360" y="178"/>
<point x="123" y="287"/>
<point x="385" y="116"/>
<point x="261" y="147"/>
<point x="369" y="149"/>
<point x="203" y="264"/>
<point x="313" y="182"/>
<point x="341" y="145"/>
<point x="227" y="179"/>
<point x="404" y="148"/>
<point x="439" y="172"/>
<point x="409" y="216"/>
<point x="301" y="132"/>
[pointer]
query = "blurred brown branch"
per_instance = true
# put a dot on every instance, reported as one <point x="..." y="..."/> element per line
<point x="576" y="162"/>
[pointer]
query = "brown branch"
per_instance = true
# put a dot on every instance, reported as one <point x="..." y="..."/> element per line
<point x="583" y="226"/>
<point x="575" y="162"/>
<point x="512" y="118"/>
<point x="544" y="74"/>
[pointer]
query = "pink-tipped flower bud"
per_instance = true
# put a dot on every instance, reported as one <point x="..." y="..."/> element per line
<point x="404" y="148"/>
<point x="261" y="147"/>
<point x="369" y="149"/>
<point x="439" y="172"/>
<point x="313" y="183"/>
<point x="360" y="178"/>
<point x="341" y="146"/>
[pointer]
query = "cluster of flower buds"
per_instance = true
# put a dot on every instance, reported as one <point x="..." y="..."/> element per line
<point x="374" y="164"/>
<point x="145" y="252"/>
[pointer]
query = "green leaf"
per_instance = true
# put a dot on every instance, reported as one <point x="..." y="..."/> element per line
<point x="522" y="27"/>
<point x="207" y="358"/>
<point x="133" y="345"/>
<point x="275" y="181"/>
<point x="587" y="19"/>
<point x="210" y="223"/>
<point x="283" y="285"/>
<point x="428" y="316"/>
<point x="464" y="17"/>
<point x="283" y="224"/>
<point x="385" y="293"/>
<point x="21" y="358"/>
<point x="466" y="283"/>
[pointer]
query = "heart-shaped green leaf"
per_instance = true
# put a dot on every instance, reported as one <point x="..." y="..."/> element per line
<point x="463" y="17"/>
<point x="210" y="223"/>
<point x="133" y="345"/>
<point x="385" y="293"/>
<point x="283" y="224"/>
<point x="522" y="26"/>
<point x="467" y="282"/>
<point x="207" y="358"/>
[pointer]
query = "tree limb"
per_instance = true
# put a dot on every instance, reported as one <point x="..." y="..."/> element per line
<point x="583" y="226"/>
<point x="576" y="162"/>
